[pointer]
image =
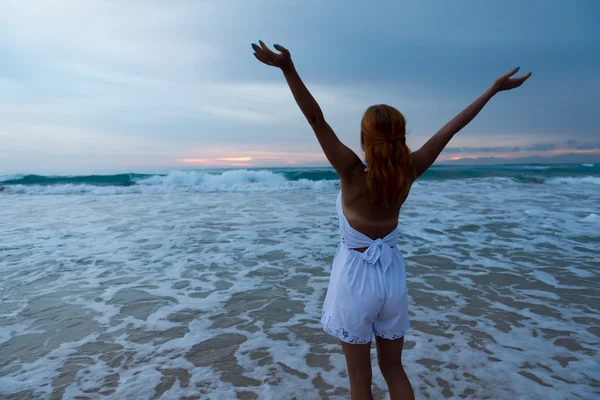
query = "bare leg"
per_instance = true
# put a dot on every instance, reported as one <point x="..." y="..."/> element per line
<point x="389" y="355"/>
<point x="358" y="360"/>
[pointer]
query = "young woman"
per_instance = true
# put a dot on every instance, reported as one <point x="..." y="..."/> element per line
<point x="367" y="290"/>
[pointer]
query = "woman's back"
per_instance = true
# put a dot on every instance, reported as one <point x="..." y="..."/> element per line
<point x="362" y="214"/>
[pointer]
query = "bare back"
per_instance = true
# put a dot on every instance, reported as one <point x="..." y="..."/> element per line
<point x="367" y="218"/>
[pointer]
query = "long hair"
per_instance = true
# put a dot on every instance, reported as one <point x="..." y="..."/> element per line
<point x="389" y="164"/>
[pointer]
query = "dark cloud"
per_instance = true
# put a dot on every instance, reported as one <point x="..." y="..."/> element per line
<point x="541" y="147"/>
<point x="574" y="144"/>
<point x="588" y="146"/>
<point x="570" y="143"/>
<point x="538" y="147"/>
<point x="495" y="149"/>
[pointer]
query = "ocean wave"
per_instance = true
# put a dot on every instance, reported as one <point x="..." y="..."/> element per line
<point x="592" y="180"/>
<point x="4" y="178"/>
<point x="177" y="178"/>
<point x="176" y="181"/>
<point x="563" y="180"/>
<point x="227" y="178"/>
<point x="96" y="180"/>
<point x="159" y="189"/>
<point x="277" y="179"/>
<point x="529" y="179"/>
<point x="534" y="167"/>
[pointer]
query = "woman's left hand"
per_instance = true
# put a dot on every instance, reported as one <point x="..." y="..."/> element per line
<point x="505" y="82"/>
<point x="282" y="60"/>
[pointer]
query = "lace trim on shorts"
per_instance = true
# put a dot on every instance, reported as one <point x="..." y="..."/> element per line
<point x="341" y="333"/>
<point x="347" y="337"/>
<point x="392" y="336"/>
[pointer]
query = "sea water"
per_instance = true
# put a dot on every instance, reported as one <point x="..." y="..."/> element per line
<point x="209" y="284"/>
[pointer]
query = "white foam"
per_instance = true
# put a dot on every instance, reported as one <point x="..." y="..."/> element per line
<point x="591" y="218"/>
<point x="227" y="178"/>
<point x="545" y="277"/>
<point x="173" y="185"/>
<point x="581" y="272"/>
<point x="540" y="293"/>
<point x="592" y="180"/>
<point x="534" y="212"/>
<point x="588" y="165"/>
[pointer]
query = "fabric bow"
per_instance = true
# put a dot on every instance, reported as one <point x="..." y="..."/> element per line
<point x="378" y="250"/>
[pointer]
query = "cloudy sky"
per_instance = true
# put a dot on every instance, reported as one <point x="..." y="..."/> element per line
<point x="147" y="85"/>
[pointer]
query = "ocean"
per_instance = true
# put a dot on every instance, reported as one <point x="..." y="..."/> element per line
<point x="209" y="284"/>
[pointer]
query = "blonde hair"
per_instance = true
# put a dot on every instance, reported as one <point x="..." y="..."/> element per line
<point x="389" y="164"/>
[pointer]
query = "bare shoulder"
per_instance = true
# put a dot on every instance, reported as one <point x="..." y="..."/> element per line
<point x="353" y="185"/>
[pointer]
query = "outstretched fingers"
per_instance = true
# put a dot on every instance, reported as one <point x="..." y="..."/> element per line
<point x="510" y="73"/>
<point x="259" y="58"/>
<point x="267" y="50"/>
<point x="260" y="55"/>
<point x="524" y="77"/>
<point x="516" y="82"/>
<point x="505" y="82"/>
<point x="281" y="58"/>
<point x="282" y="49"/>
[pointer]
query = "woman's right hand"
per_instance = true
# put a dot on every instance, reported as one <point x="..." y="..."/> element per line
<point x="505" y="82"/>
<point x="282" y="60"/>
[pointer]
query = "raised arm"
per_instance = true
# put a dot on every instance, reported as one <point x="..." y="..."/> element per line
<point x="429" y="152"/>
<point x="343" y="159"/>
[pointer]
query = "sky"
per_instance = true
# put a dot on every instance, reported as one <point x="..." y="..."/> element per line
<point x="149" y="85"/>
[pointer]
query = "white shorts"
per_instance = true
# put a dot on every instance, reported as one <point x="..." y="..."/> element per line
<point x="365" y="299"/>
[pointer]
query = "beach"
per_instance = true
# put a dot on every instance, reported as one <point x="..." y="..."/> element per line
<point x="197" y="285"/>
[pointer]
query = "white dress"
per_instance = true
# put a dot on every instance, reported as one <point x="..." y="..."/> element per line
<point x="367" y="291"/>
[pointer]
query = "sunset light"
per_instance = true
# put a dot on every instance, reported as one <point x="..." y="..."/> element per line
<point x="194" y="160"/>
<point x="235" y="159"/>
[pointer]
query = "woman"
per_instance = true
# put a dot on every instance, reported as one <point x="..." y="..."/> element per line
<point x="367" y="290"/>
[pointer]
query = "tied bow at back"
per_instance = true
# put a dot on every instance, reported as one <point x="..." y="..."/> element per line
<point x="379" y="250"/>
